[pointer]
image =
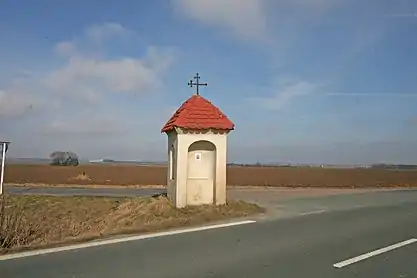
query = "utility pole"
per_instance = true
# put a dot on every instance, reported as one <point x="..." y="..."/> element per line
<point x="4" y="147"/>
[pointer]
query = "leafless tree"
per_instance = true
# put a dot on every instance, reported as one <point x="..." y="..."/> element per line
<point x="64" y="158"/>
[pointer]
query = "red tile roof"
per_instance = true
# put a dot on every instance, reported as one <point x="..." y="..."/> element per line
<point x="198" y="113"/>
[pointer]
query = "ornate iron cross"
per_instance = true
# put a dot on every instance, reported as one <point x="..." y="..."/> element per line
<point x="196" y="83"/>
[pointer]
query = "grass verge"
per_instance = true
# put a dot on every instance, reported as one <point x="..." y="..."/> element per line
<point x="33" y="221"/>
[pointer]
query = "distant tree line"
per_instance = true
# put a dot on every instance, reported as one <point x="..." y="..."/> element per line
<point x="394" y="166"/>
<point x="60" y="158"/>
<point x="258" y="164"/>
<point x="373" y="166"/>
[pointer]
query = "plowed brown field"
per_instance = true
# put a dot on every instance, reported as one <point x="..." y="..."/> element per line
<point x="242" y="176"/>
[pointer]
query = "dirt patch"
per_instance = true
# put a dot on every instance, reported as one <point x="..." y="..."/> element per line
<point x="28" y="222"/>
<point x="136" y="175"/>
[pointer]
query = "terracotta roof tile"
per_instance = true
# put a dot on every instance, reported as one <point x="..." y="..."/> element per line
<point x="198" y="113"/>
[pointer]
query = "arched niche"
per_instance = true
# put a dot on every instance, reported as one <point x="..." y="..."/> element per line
<point x="201" y="172"/>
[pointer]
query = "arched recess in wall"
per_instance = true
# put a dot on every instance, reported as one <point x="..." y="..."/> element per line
<point x="201" y="172"/>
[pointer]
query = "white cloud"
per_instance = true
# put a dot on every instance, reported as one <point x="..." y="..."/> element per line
<point x="246" y="18"/>
<point x="65" y="48"/>
<point x="90" y="77"/>
<point x="15" y="103"/>
<point x="255" y="19"/>
<point x="96" y="35"/>
<point x="101" y="32"/>
<point x="318" y="5"/>
<point x="276" y="26"/>
<point x="96" y="124"/>
<point x="286" y="91"/>
<point x="76" y="96"/>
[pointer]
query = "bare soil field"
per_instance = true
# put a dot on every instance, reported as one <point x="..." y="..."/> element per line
<point x="128" y="175"/>
<point x="28" y="222"/>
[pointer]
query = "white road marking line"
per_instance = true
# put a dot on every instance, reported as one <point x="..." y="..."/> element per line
<point x="374" y="253"/>
<point x="120" y="240"/>
<point x="313" y="212"/>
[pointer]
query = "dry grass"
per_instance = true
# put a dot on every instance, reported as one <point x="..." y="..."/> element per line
<point x="14" y="230"/>
<point x="81" y="177"/>
<point x="123" y="175"/>
<point x="36" y="221"/>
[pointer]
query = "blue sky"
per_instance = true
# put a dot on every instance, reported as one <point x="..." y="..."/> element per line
<point x="305" y="81"/>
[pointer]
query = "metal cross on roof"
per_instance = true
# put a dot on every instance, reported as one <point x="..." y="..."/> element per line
<point x="196" y="83"/>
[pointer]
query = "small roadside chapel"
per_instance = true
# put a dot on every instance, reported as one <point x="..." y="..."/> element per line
<point x="197" y="148"/>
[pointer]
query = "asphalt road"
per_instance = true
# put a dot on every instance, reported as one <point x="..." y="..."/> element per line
<point x="305" y="244"/>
